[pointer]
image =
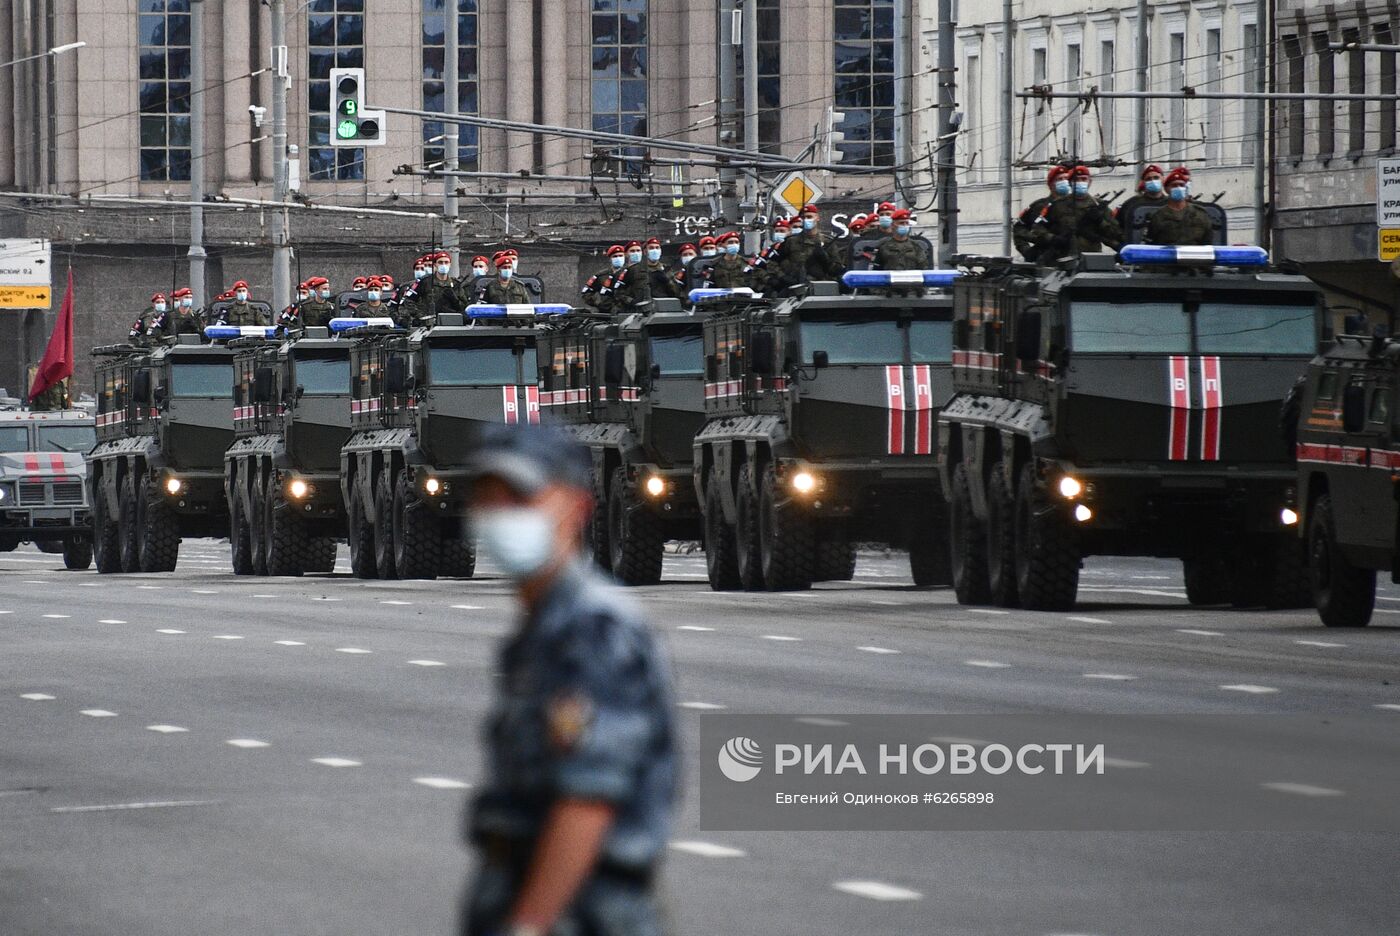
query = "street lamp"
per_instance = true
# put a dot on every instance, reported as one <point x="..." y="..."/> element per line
<point x="56" y="50"/>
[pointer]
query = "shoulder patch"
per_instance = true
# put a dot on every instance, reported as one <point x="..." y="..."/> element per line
<point x="568" y="716"/>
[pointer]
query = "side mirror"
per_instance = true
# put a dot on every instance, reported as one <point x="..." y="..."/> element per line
<point x="262" y="385"/>
<point x="820" y="360"/>
<point x="159" y="394"/>
<point x="614" y="363"/>
<point x="655" y="372"/>
<point x="764" y="352"/>
<point x="395" y="376"/>
<point x="1354" y="408"/>
<point x="1028" y="336"/>
<point x="141" y="386"/>
<point x="300" y="392"/>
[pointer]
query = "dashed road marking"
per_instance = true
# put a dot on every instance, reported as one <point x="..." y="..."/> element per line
<point x="427" y="663"/>
<point x="263" y="596"/>
<point x="150" y="587"/>
<point x="1199" y="633"/>
<point x="202" y="591"/>
<point x="1318" y="643"/>
<point x="58" y="617"/>
<point x="779" y="637"/>
<point x="352" y="650"/>
<point x="110" y="621"/>
<point x="468" y="608"/>
<point x="706" y="849"/>
<point x="37" y="697"/>
<point x="290" y="643"/>
<point x="1250" y="688"/>
<point x="875" y="890"/>
<point x="166" y="729"/>
<point x="171" y="630"/>
<point x="876" y="650"/>
<point x="441" y="783"/>
<point x="1302" y="789"/>
<point x="694" y="627"/>
<point x="987" y="664"/>
<point x="324" y="598"/>
<point x="112" y="807"/>
<point x="701" y="706"/>
<point x="1122" y="677"/>
<point x="1089" y="620"/>
<point x="396" y="602"/>
<point x="887" y="604"/>
<point x="98" y="713"/>
<point x="985" y="611"/>
<point x="247" y="743"/>
<point x="336" y="762"/>
<point x="1389" y="707"/>
<point x="228" y="637"/>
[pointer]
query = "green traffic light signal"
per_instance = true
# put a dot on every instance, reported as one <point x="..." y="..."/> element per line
<point x="347" y="129"/>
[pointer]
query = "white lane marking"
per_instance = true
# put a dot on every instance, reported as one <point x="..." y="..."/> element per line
<point x="822" y="722"/>
<point x="779" y="637"/>
<point x="324" y="598"/>
<point x="35" y="581"/>
<point x="336" y="762"/>
<point x="1089" y="620"/>
<point x="202" y="591"/>
<point x="166" y="729"/>
<point x="290" y="643"/>
<point x="1389" y="707"/>
<point x="706" y="849"/>
<point x="98" y="713"/>
<point x="6" y="612"/>
<point x="985" y="611"/>
<point x="58" y="617"/>
<point x="876" y="650"/>
<point x="1199" y="633"/>
<point x="1318" y="643"/>
<point x="427" y="663"/>
<point x="247" y="743"/>
<point x="987" y="664"/>
<point x="875" y="890"/>
<point x="693" y="627"/>
<point x="396" y="602"/>
<point x="150" y="587"/>
<point x="1302" y="789"/>
<point x="37" y="697"/>
<point x="169" y="630"/>
<point x="352" y="650"/>
<point x="441" y="783"/>
<point x="110" y="621"/>
<point x="111" y="807"/>
<point x="468" y="607"/>
<point x="228" y="637"/>
<point x="264" y="596"/>
<point x="1112" y="676"/>
<point x="702" y="706"/>
<point x="888" y="604"/>
<point x="1124" y="764"/>
<point x="1250" y="688"/>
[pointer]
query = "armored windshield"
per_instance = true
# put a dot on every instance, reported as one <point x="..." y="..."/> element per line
<point x="1130" y="328"/>
<point x="930" y="342"/>
<point x="14" y="439"/>
<point x="1153" y="327"/>
<point x="1256" y="328"/>
<point x="323" y="376"/>
<point x="487" y="362"/>
<point x="679" y="355"/>
<point x="860" y="342"/>
<point x="201" y="380"/>
<point x="67" y="438"/>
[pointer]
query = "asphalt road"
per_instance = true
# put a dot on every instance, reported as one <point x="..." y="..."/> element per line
<point x="200" y="753"/>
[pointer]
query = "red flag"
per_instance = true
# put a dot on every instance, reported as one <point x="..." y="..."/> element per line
<point x="58" y="356"/>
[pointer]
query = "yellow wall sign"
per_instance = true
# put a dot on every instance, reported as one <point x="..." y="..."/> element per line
<point x="25" y="297"/>
<point x="796" y="190"/>
<point x="1388" y="244"/>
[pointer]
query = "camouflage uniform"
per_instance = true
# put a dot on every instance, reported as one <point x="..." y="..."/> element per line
<point x="583" y="711"/>
<point x="592" y="290"/>
<point x="661" y="282"/>
<point x="728" y="272"/>
<point x="633" y="286"/>
<point x="1030" y="233"/>
<point x="1189" y="226"/>
<point x="838" y="253"/>
<point x="510" y="292"/>
<point x="434" y="296"/>
<point x="803" y="258"/>
<point x="895" y="254"/>
<point x="54" y="398"/>
<point x="315" y="313"/>
<point x="142" y="326"/>
<point x="243" y="313"/>
<point x="1079" y="224"/>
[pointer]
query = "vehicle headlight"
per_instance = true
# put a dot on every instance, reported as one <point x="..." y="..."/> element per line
<point x="804" y="482"/>
<point x="1070" y="488"/>
<point x="298" y="488"/>
<point x="1083" y="514"/>
<point x="1288" y="516"/>
<point x="656" y="486"/>
<point x="3" y="493"/>
<point x="432" y="486"/>
<point x="174" y="485"/>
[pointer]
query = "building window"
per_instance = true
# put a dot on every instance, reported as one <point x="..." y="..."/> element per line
<point x="1249" y="41"/>
<point x="620" y="67"/>
<point x="1293" y="51"/>
<point x="335" y="37"/>
<point x="1386" y="124"/>
<point x="434" y="76"/>
<point x="1073" y="126"/>
<point x="770" y="98"/>
<point x="1326" y="84"/>
<point x="164" y="28"/>
<point x="1176" y="123"/>
<point x="864" y="61"/>
<point x="1356" y="84"/>
<point x="1040" y="70"/>
<point x="1108" y="82"/>
<point x="1215" y="114"/>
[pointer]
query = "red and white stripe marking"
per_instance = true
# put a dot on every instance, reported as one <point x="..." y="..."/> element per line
<point x="923" y="409"/>
<point x="894" y="401"/>
<point x="532" y="404"/>
<point x="1179" y="389"/>
<point x="977" y="360"/>
<point x="1212" y="401"/>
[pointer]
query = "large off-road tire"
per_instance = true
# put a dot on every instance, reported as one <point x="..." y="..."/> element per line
<point x="240" y="535"/>
<point x="721" y="552"/>
<point x="417" y="539"/>
<point x="287" y="541"/>
<point x="1345" y="595"/>
<point x="1001" y="539"/>
<point x="50" y="546"/>
<point x="836" y="554"/>
<point x="746" y="545"/>
<point x="787" y="540"/>
<point x="77" y="553"/>
<point x="106" y="542"/>
<point x="458" y="556"/>
<point x="967" y="541"/>
<point x="361" y="535"/>
<point x="930" y="559"/>
<point x="159" y="542"/>
<point x="384" y="525"/>
<point x="1289" y="585"/>
<point x="321" y="553"/>
<point x="8" y="545"/>
<point x="130" y="532"/>
<point x="257" y="522"/>
<point x="1207" y="580"/>
<point x="635" y="537"/>
<point x="1047" y="550"/>
<point x="598" y="545"/>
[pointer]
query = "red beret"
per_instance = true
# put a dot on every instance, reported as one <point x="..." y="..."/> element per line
<point x="901" y="214"/>
<point x="616" y="250"/>
<point x="653" y="242"/>
<point x="707" y="241"/>
<point x="1151" y="168"/>
<point x="1180" y="175"/>
<point x="158" y="297"/>
<point x="782" y="224"/>
<point x="481" y="259"/>
<point x="359" y="282"/>
<point x="374" y="282"/>
<point x="318" y="281"/>
<point x="1055" y="173"/>
<point x="728" y="236"/>
<point x="241" y="284"/>
<point x="1080" y="172"/>
<point x="503" y="260"/>
<point x="636" y="244"/>
<point x="685" y="247"/>
<point x="885" y="206"/>
<point x="442" y="255"/>
<point x="182" y="292"/>
<point x="810" y="209"/>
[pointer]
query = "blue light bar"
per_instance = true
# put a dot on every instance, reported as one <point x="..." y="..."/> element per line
<point x="740" y="292"/>
<point x="516" y="310"/>
<point x="1148" y="254"/>
<point x="229" y="332"/>
<point x="866" y="279"/>
<point x="339" y="325"/>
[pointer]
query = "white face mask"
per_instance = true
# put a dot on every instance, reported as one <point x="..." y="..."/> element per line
<point x="186" y="303"/>
<point x="478" y="271"/>
<point x="302" y="297"/>
<point x="373" y="295"/>
<point x="325" y="293"/>
<point x="160" y="307"/>
<point x="687" y="259"/>
<point x="241" y="296"/>
<point x="443" y="269"/>
<point x="519" y="539"/>
<point x="708" y="252"/>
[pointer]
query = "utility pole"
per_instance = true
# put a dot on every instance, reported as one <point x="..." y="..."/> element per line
<point x="1140" y="106"/>
<point x="281" y="79"/>
<point x="451" y="134"/>
<point x="1261" y="42"/>
<point x="728" y="87"/>
<point x="196" y="252"/>
<point x="1008" y="186"/>
<point x="749" y="36"/>
<point x="947" y="133"/>
<point x="902" y="98"/>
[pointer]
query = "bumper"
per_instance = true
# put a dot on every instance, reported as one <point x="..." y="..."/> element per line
<point x="200" y="494"/>
<point x="849" y="489"/>
<point x="668" y="492"/>
<point x="44" y="522"/>
<point x="313" y="496"/>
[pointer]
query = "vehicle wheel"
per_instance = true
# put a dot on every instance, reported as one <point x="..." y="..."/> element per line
<point x="106" y="545"/>
<point x="159" y="543"/>
<point x="129" y="535"/>
<point x="746" y="531"/>
<point x="635" y="539"/>
<point x="321" y="552"/>
<point x="1345" y="595"/>
<point x="930" y="562"/>
<point x="787" y="546"/>
<point x="1289" y="587"/>
<point x="9" y="545"/>
<point x="361" y="530"/>
<point x="384" y="525"/>
<point x="1001" y="539"/>
<point x="721" y="555"/>
<point x="77" y="554"/>
<point x="598" y="545"/>
<point x="1047" y="553"/>
<point x="967" y="541"/>
<point x="50" y="546"/>
<point x="1207" y="580"/>
<point x="836" y="554"/>
<point x="240" y="537"/>
<point x="257" y="523"/>
<point x="458" y="556"/>
<point x="416" y="539"/>
<point x="287" y="542"/>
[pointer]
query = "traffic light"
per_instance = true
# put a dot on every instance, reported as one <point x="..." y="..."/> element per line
<point x="833" y="136"/>
<point x="351" y="124"/>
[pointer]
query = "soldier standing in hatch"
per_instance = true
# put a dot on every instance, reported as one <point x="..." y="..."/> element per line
<point x="681" y="279"/>
<point x="898" y="252"/>
<point x="240" y="311"/>
<point x="838" y="251"/>
<point x="598" y="291"/>
<point x="1150" y="191"/>
<point x="318" y="311"/>
<point x="184" y="320"/>
<point x="504" y="289"/>
<point x="630" y="286"/>
<point x="660" y="284"/>
<point x="1180" y="222"/>
<point x="1031" y="233"/>
<point x="764" y="266"/>
<point x="728" y="271"/>
<point x="1080" y="223"/>
<point x="438" y="293"/>
<point x="141" y="329"/>
<point x="573" y="817"/>
<point x="804" y="254"/>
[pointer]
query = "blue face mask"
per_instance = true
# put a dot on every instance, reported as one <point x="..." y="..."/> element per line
<point x="618" y="262"/>
<point x="506" y="272"/>
<point x="808" y="223"/>
<point x="325" y="294"/>
<point x="186" y="303"/>
<point x="687" y="259"/>
<point x="1061" y="187"/>
<point x="443" y="269"/>
<point x="1081" y="188"/>
<point x="779" y="238"/>
<point x="1179" y="193"/>
<point x="160" y="307"/>
<point x="1153" y="186"/>
<point x="886" y="221"/>
<point x="654" y="254"/>
<point x="373" y="295"/>
<point x="731" y="249"/>
<point x="634" y="258"/>
<point x="902" y="230"/>
<point x="241" y="296"/>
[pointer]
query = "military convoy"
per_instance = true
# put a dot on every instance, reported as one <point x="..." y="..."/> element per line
<point x="43" y="494"/>
<point x="1126" y="406"/>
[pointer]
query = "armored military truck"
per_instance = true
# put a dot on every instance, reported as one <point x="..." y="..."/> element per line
<point x="1126" y="405"/>
<point x="417" y="399"/>
<point x="291" y="418"/>
<point x="43" y="494"/>
<point x="819" y="431"/>
<point x="631" y="389"/>
<point x="1345" y="417"/>
<point x="164" y="420"/>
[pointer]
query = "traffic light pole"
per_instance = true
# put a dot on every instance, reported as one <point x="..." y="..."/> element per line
<point x="750" y="47"/>
<point x="728" y="92"/>
<point x="947" y="170"/>
<point x="281" y="78"/>
<point x="451" y="134"/>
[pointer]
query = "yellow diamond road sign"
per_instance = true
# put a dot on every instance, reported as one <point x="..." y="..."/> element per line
<point x="1388" y="244"/>
<point x="25" y="297"/>
<point x="795" y="191"/>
